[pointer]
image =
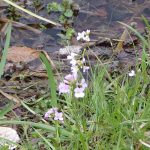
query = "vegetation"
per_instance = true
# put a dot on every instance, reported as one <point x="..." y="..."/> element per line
<point x="65" y="18"/>
<point x="113" y="113"/>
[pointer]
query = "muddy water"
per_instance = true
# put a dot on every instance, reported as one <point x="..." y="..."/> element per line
<point x="100" y="16"/>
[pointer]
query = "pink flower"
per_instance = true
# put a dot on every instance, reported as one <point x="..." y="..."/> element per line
<point x="58" y="116"/>
<point x="50" y="112"/>
<point x="63" y="88"/>
<point x="83" y="84"/>
<point x="54" y="114"/>
<point x="69" y="78"/>
<point x="79" y="90"/>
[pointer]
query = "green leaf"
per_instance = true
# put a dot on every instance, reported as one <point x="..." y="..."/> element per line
<point x="5" y="110"/>
<point x="69" y="33"/>
<point x="53" y="7"/>
<point x="62" y="19"/>
<point x="51" y="79"/>
<point x="68" y="13"/>
<point x="3" y="60"/>
<point x="146" y="22"/>
<point x="37" y="125"/>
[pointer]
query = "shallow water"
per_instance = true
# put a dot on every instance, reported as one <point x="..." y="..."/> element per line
<point x="100" y="16"/>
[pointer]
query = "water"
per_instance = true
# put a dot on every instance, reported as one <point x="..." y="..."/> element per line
<point x="100" y="16"/>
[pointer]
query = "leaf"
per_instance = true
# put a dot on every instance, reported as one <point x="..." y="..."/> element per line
<point x="123" y="37"/>
<point x="69" y="33"/>
<point x="22" y="54"/>
<point x="8" y="137"/>
<point x="68" y="13"/>
<point x="38" y="125"/>
<point x="51" y="78"/>
<point x="3" y="60"/>
<point x="53" y="7"/>
<point x="5" y="110"/>
<point x="146" y="22"/>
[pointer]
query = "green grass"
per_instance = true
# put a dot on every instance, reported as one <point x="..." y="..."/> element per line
<point x="114" y="114"/>
<point x="110" y="116"/>
<point x="4" y="55"/>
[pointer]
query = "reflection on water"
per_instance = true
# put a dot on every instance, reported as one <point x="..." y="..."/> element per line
<point x="100" y="16"/>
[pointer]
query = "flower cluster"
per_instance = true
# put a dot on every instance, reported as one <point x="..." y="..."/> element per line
<point x="54" y="114"/>
<point x="84" y="36"/>
<point x="73" y="79"/>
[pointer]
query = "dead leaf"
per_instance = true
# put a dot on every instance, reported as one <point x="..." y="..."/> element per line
<point x="7" y="136"/>
<point x="123" y="37"/>
<point x="22" y="54"/>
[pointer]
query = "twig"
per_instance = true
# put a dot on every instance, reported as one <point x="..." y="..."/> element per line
<point x="20" y="25"/>
<point x="10" y="97"/>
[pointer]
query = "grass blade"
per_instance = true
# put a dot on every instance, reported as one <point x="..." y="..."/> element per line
<point x="37" y="125"/>
<point x="5" y="110"/>
<point x="4" y="55"/>
<point x="45" y="140"/>
<point x="51" y="79"/>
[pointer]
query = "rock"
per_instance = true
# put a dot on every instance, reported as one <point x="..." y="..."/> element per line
<point x="70" y="49"/>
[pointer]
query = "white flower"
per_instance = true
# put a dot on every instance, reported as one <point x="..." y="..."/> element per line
<point x="81" y="35"/>
<point x="132" y="73"/>
<point x="71" y="56"/>
<point x="85" y="68"/>
<point x="79" y="92"/>
<point x="88" y="31"/>
<point x="84" y="36"/>
<point x="79" y="95"/>
<point x="83" y="60"/>
<point x="73" y="62"/>
<point x="74" y="70"/>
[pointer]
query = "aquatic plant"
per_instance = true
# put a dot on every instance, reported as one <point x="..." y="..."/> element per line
<point x="66" y="17"/>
